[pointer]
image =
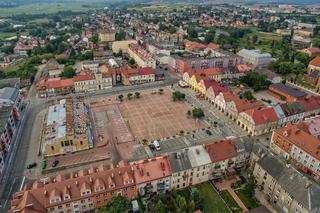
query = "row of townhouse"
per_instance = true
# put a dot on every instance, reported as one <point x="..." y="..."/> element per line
<point x="90" y="189"/>
<point x="300" y="144"/>
<point x="141" y="56"/>
<point x="253" y="116"/>
<point x="219" y="59"/>
<point x="88" y="80"/>
<point x="285" y="188"/>
<point x="212" y="73"/>
<point x="11" y="102"/>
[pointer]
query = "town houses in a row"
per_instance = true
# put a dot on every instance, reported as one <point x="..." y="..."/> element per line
<point x="90" y="189"/>
<point x="253" y="116"/>
<point x="94" y="77"/>
<point x="11" y="106"/>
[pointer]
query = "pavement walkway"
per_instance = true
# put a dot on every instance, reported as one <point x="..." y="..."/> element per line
<point x="226" y="185"/>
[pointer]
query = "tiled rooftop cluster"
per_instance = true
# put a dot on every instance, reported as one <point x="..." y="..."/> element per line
<point x="141" y="52"/>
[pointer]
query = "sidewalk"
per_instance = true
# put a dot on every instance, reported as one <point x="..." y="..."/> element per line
<point x="226" y="185"/>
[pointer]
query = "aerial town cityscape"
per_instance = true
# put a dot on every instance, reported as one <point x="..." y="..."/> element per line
<point x="163" y="106"/>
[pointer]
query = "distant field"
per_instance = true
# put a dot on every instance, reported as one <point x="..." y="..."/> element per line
<point x="48" y="8"/>
<point x="6" y="35"/>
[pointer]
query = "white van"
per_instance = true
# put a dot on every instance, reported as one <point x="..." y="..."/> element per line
<point x="156" y="145"/>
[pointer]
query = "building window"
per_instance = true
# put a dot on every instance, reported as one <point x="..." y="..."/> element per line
<point x="52" y="147"/>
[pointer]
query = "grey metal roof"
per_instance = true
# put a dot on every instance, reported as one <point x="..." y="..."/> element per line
<point x="179" y="161"/>
<point x="243" y="144"/>
<point x="288" y="90"/>
<point x="298" y="186"/>
<point x="9" y="93"/>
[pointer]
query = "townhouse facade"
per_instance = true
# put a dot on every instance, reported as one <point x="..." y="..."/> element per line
<point x="11" y="102"/>
<point x="201" y="165"/>
<point x="181" y="169"/>
<point x="182" y="64"/>
<point x="152" y="175"/>
<point x="88" y="81"/>
<point x="81" y="191"/>
<point x="141" y="56"/>
<point x="107" y="35"/>
<point x="258" y="121"/>
<point x="286" y="189"/>
<point x="300" y="144"/>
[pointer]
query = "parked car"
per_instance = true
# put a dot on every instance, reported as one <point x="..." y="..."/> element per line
<point x="55" y="163"/>
<point x="156" y="145"/>
<point x="152" y="147"/>
<point x="31" y="165"/>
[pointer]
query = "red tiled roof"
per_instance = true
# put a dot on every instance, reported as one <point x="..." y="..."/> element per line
<point x="38" y="196"/>
<point x="261" y="116"/>
<point x="213" y="46"/>
<point x="221" y="150"/>
<point x="193" y="44"/>
<point x="244" y="104"/>
<point x="315" y="61"/>
<point x="313" y="50"/>
<point x="302" y="139"/>
<point x="151" y="169"/>
<point x="54" y="83"/>
<point x="139" y="71"/>
<point x="310" y="103"/>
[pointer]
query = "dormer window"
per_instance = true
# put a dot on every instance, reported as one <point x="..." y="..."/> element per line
<point x="87" y="192"/>
<point x="99" y="189"/>
<point x="55" y="199"/>
<point x="66" y="197"/>
<point x="111" y="185"/>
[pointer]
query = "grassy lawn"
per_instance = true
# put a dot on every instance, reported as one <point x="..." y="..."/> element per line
<point x="4" y="35"/>
<point x="212" y="201"/>
<point x="226" y="196"/>
<point x="249" y="202"/>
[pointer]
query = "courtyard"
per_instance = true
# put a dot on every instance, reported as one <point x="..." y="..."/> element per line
<point x="154" y="116"/>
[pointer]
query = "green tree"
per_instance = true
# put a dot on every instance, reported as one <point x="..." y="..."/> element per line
<point x="182" y="203"/>
<point x="178" y="96"/>
<point x="8" y="49"/>
<point x="160" y="91"/>
<point x="248" y="95"/>
<point x="121" y="35"/>
<point x="129" y="95"/>
<point x="160" y="207"/>
<point x="137" y="94"/>
<point x="68" y="72"/>
<point x="63" y="46"/>
<point x="120" y="97"/>
<point x="95" y="39"/>
<point x="192" y="33"/>
<point x="197" y="113"/>
<point x="118" y="204"/>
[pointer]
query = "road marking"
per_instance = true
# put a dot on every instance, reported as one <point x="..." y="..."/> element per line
<point x="23" y="179"/>
<point x="14" y="181"/>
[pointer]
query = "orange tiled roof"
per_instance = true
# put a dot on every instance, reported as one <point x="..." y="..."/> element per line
<point x="213" y="46"/>
<point x="261" y="116"/>
<point x="151" y="169"/>
<point x="221" y="150"/>
<point x="302" y="139"/>
<point x="315" y="61"/>
<point x="38" y="196"/>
